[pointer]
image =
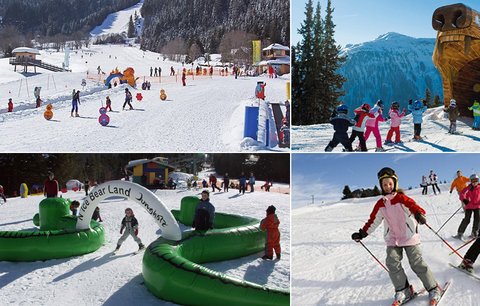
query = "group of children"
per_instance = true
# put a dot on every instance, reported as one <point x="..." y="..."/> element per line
<point x="366" y="122"/>
<point x="401" y="216"/>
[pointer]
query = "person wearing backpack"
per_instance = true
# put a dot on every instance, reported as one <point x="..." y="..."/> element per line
<point x="204" y="213"/>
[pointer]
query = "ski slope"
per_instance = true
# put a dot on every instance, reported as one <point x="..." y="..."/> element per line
<point x="206" y="115"/>
<point x="331" y="269"/>
<point x="435" y="127"/>
<point x="101" y="278"/>
<point x="116" y="23"/>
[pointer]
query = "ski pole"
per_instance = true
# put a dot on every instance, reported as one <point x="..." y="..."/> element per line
<point x="373" y="256"/>
<point x="465" y="244"/>
<point x="444" y="241"/>
<point x="444" y="223"/>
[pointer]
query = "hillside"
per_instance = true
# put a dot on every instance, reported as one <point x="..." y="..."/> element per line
<point x="204" y="21"/>
<point x="393" y="67"/>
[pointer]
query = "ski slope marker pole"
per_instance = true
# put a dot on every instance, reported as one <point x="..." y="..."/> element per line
<point x="374" y="256"/>
<point x="444" y="241"/>
<point x="448" y="220"/>
<point x="465" y="244"/>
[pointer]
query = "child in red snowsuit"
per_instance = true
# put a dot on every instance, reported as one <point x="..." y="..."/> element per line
<point x="109" y="104"/>
<point x="10" y="105"/>
<point x="270" y="224"/>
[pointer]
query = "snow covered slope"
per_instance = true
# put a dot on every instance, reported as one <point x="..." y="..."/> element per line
<point x="331" y="269"/>
<point x="393" y="67"/>
<point x="435" y="127"/>
<point x="206" y="115"/>
<point x="102" y="279"/>
<point x="117" y="22"/>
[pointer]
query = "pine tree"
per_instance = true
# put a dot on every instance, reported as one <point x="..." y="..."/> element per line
<point x="428" y="96"/>
<point x="376" y="191"/>
<point x="332" y="82"/>
<point x="436" y="101"/>
<point x="131" y="28"/>
<point x="304" y="58"/>
<point x="347" y="193"/>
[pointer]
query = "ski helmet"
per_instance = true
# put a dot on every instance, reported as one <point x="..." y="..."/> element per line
<point x="342" y="109"/>
<point x="366" y="107"/>
<point x="387" y="172"/>
<point x="380" y="103"/>
<point x="473" y="177"/>
<point x="395" y="105"/>
<point x="417" y="104"/>
<point x="453" y="102"/>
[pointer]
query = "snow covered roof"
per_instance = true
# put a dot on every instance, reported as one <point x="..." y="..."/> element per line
<point x="276" y="47"/>
<point x="25" y="50"/>
<point x="158" y="160"/>
<point x="279" y="61"/>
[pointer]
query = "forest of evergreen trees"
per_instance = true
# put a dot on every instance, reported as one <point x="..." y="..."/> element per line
<point x="204" y="22"/>
<point x="51" y="17"/>
<point x="316" y="85"/>
<point x="32" y="168"/>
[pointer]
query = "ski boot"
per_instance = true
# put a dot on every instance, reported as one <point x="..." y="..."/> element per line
<point x="117" y="248"/>
<point x="388" y="142"/>
<point x="398" y="142"/>
<point x="328" y="149"/>
<point x="76" y="114"/>
<point x="467" y="265"/>
<point x="458" y="236"/>
<point x="278" y="256"/>
<point x="141" y="246"/>
<point x="403" y="296"/>
<point x="71" y="114"/>
<point x="434" y="295"/>
<point x="265" y="257"/>
<point x="379" y="149"/>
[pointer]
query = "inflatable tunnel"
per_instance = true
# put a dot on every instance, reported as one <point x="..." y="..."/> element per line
<point x="172" y="270"/>
<point x="457" y="54"/>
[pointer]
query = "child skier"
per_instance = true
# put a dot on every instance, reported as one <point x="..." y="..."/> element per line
<point x="372" y="125"/>
<point x="471" y="256"/>
<point x="357" y="131"/>
<point x="341" y="123"/>
<point x="96" y="214"/>
<point x="75" y="103"/>
<point x="10" y="105"/>
<point x="74" y="207"/>
<point x="453" y="114"/>
<point x="108" y="103"/>
<point x="130" y="225"/>
<point x="2" y="194"/>
<point x="470" y="196"/>
<point x="476" y="115"/>
<point x="417" y="109"/>
<point x="204" y="213"/>
<point x="128" y="99"/>
<point x="270" y="224"/>
<point x="395" y="121"/>
<point x="402" y="217"/>
<point x="184" y="77"/>
<point x="260" y="90"/>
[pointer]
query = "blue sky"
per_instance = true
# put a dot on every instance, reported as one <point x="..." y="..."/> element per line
<point x="364" y="20"/>
<point x="325" y="174"/>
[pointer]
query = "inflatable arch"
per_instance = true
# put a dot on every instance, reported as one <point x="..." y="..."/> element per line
<point x="457" y="54"/>
<point x="134" y="192"/>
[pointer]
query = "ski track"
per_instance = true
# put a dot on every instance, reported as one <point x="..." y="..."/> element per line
<point x="100" y="278"/>
<point x="435" y="126"/>
<point x="331" y="269"/>
<point x="197" y="117"/>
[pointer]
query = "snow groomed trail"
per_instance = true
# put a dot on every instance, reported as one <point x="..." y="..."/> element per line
<point x="206" y="115"/>
<point x="331" y="269"/>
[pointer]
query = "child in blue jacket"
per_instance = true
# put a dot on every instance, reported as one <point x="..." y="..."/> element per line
<point x="417" y="109"/>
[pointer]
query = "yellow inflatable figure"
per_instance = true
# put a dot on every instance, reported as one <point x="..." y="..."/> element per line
<point x="23" y="190"/>
<point x="129" y="77"/>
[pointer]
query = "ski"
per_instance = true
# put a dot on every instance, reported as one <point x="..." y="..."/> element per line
<point x="444" y="289"/>
<point x="471" y="274"/>
<point x="138" y="252"/>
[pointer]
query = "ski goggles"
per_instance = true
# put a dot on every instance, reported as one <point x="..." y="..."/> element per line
<point x="386" y="172"/>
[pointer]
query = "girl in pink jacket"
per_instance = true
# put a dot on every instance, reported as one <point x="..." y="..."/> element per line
<point x="401" y="216"/>
<point x="372" y="125"/>
<point x="470" y="196"/>
<point x="395" y="121"/>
